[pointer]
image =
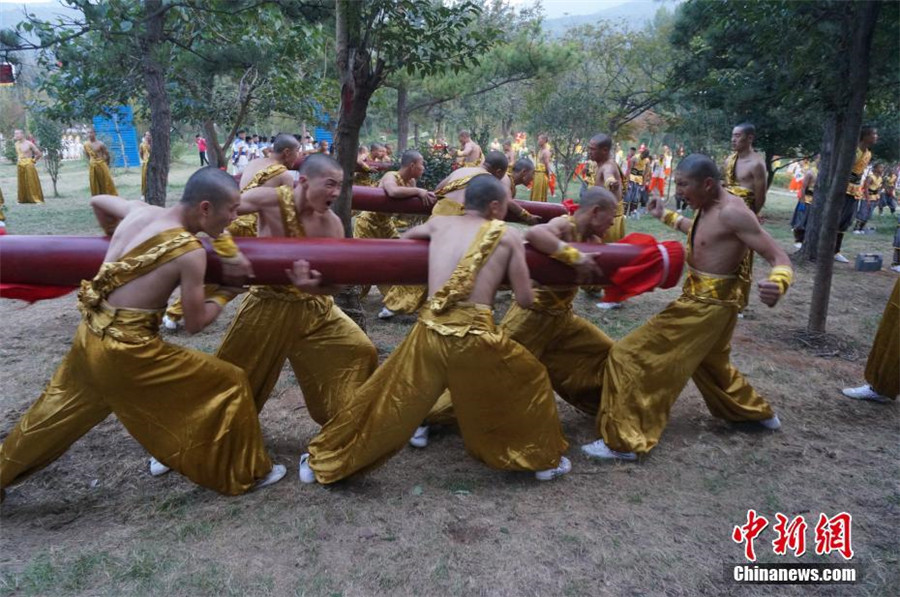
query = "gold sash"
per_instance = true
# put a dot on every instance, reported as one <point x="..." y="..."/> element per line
<point x="455" y="185"/>
<point x="130" y="325"/>
<point x="854" y="184"/>
<point x="89" y="150"/>
<point x="264" y="175"/>
<point x="459" y="286"/>
<point x="731" y="182"/>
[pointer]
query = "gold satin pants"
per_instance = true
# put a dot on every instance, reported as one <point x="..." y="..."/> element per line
<point x="331" y="356"/>
<point x="370" y="224"/>
<point x="100" y="179"/>
<point x="572" y="349"/>
<point x="190" y="410"/>
<point x="540" y="187"/>
<point x="501" y="395"/>
<point x="144" y="179"/>
<point x="30" y="190"/>
<point x="647" y="370"/>
<point x="883" y="365"/>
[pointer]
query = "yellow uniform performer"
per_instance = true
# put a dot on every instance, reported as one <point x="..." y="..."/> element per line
<point x="745" y="272"/>
<point x="2" y="207"/>
<point x="244" y="226"/>
<point x="330" y="355"/>
<point x="408" y="299"/>
<point x="373" y="224"/>
<point x="144" y="153"/>
<point x="98" y="174"/>
<point x="188" y="409"/>
<point x="501" y="394"/>
<point x="883" y="366"/>
<point x="690" y="339"/>
<point x="616" y="232"/>
<point x="572" y="349"/>
<point x="29" y="184"/>
<point x="540" y="187"/>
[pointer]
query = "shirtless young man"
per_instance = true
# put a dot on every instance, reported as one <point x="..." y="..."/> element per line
<point x="691" y="338"/>
<point x="27" y="155"/>
<point x="610" y="177"/>
<point x="745" y="169"/>
<point x="330" y="355"/>
<point x="99" y="176"/>
<point x="501" y="394"/>
<point x="470" y="153"/>
<point x="190" y="410"/>
<point x="540" y="188"/>
<point x="272" y="171"/>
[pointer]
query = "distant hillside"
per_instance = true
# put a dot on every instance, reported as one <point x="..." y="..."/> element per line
<point x="636" y="12"/>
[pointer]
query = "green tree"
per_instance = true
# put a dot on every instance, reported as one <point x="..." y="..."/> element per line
<point x="49" y="136"/>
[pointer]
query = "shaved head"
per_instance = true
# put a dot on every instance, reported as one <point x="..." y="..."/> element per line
<point x="698" y="167"/>
<point x="598" y="196"/>
<point x="319" y="164"/>
<point x="209" y="184"/>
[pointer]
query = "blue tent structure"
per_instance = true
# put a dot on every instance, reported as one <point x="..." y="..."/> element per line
<point x="118" y="132"/>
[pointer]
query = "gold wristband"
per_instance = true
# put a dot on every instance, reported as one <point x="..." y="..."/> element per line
<point x="672" y="219"/>
<point x="568" y="255"/>
<point x="224" y="246"/>
<point x="219" y="298"/>
<point x="782" y="275"/>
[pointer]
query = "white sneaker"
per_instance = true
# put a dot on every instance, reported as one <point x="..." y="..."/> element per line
<point x="895" y="268"/>
<point x="599" y="449"/>
<point x="306" y="473"/>
<point x="798" y="245"/>
<point x="169" y="324"/>
<point x="420" y="437"/>
<point x="275" y="475"/>
<point x="858" y="232"/>
<point x="840" y="258"/>
<point x="385" y="313"/>
<point x="864" y="393"/>
<point x="772" y="423"/>
<point x="606" y="306"/>
<point x="563" y="468"/>
<point x="157" y="468"/>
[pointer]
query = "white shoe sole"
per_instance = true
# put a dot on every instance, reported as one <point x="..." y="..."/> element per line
<point x="275" y="475"/>
<point x="157" y="468"/>
<point x="564" y="468"/>
<point x="305" y="473"/>
<point x="600" y="451"/>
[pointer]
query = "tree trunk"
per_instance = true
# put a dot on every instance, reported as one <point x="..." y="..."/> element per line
<point x="416" y="134"/>
<point x="215" y="153"/>
<point x="402" y="118"/>
<point x="848" y="122"/>
<point x="770" y="171"/>
<point x="826" y="153"/>
<point x="158" y="98"/>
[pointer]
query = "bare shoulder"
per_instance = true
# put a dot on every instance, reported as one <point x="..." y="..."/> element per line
<point x="336" y="225"/>
<point x="736" y="216"/>
<point x="511" y="237"/>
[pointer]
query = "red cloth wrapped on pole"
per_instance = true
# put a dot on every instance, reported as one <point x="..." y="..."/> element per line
<point x="63" y="261"/>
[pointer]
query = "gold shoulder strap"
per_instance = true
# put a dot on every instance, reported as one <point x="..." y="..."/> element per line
<point x="264" y="175"/>
<point x="462" y="280"/>
<point x="292" y="226"/>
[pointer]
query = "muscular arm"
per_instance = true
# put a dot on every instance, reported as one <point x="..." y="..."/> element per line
<point x="110" y="210"/>
<point x="198" y="312"/>
<point x="421" y="232"/>
<point x="545" y="237"/>
<point x="747" y="228"/>
<point x="258" y="199"/>
<point x="36" y="152"/>
<point x="519" y="276"/>
<point x="759" y="186"/>
<point x="395" y="191"/>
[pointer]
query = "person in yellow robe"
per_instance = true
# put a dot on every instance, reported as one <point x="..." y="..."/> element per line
<point x="2" y="212"/>
<point x="571" y="348"/>
<point x="330" y="355"/>
<point x="144" y="153"/>
<point x="271" y="171"/>
<point x="98" y="166"/>
<point x="397" y="184"/>
<point x="190" y="410"/>
<point x="608" y="175"/>
<point x="745" y="177"/>
<point x="450" y="193"/>
<point x="501" y="394"/>
<point x="27" y="155"/>
<point x="541" y="185"/>
<point x="868" y="136"/>
<point x="691" y="338"/>
<point x="883" y="365"/>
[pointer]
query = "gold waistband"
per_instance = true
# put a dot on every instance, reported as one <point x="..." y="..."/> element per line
<point x="713" y="288"/>
<point x="540" y="168"/>
<point x="284" y="293"/>
<point x="459" y="320"/>
<point x="130" y="326"/>
<point x="25" y="161"/>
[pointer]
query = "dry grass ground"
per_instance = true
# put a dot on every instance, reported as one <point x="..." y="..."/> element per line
<point x="435" y="522"/>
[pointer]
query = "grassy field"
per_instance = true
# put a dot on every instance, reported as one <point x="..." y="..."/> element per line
<point x="435" y="522"/>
